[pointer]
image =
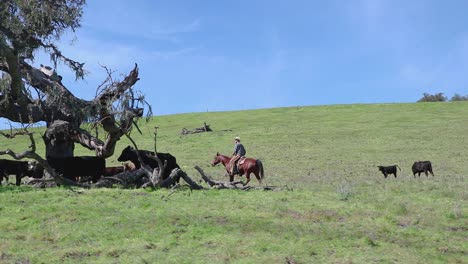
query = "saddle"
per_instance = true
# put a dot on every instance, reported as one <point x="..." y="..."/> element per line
<point x="236" y="164"/>
<point x="241" y="160"/>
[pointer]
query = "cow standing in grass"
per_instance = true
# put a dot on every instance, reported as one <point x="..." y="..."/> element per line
<point x="422" y="166"/>
<point x="386" y="170"/>
<point x="13" y="167"/>
<point x="147" y="157"/>
<point x="20" y="169"/>
<point x="79" y="168"/>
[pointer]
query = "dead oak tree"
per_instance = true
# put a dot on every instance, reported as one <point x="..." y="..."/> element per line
<point x="30" y="94"/>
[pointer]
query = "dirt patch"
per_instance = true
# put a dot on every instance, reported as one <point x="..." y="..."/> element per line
<point x="316" y="216"/>
<point x="404" y="222"/>
<point x="149" y="246"/>
<point x="219" y="220"/>
<point x="79" y="255"/>
<point x="458" y="229"/>
<point x="321" y="215"/>
<point x="114" y="253"/>
<point x="448" y="250"/>
<point x="140" y="194"/>
<point x="291" y="213"/>
<point x="20" y="237"/>
<point x="290" y="260"/>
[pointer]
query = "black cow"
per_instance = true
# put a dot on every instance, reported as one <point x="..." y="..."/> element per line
<point x="20" y="169"/>
<point x="422" y="166"/>
<point x="35" y="170"/>
<point x="74" y="168"/>
<point x="130" y="154"/>
<point x="13" y="167"/>
<point x="386" y="170"/>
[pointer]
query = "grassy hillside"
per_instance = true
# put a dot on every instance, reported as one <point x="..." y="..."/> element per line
<point x="339" y="208"/>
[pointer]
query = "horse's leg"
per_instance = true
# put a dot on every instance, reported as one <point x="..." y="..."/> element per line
<point x="258" y="177"/>
<point x="247" y="175"/>
<point x="231" y="177"/>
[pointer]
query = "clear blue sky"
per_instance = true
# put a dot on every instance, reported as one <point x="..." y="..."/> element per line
<point x="197" y="56"/>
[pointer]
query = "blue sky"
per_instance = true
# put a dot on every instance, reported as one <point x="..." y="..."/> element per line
<point x="197" y="56"/>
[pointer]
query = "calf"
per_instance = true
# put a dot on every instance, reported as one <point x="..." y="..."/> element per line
<point x="111" y="171"/>
<point x="13" y="167"/>
<point x="35" y="170"/>
<point x="389" y="170"/>
<point x="129" y="166"/>
<point x="73" y="168"/>
<point x="130" y="154"/>
<point x="422" y="166"/>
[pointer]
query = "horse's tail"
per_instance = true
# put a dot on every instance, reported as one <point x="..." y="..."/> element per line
<point x="260" y="169"/>
<point x="398" y="167"/>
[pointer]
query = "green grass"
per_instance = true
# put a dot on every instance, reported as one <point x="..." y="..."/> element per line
<point x="338" y="208"/>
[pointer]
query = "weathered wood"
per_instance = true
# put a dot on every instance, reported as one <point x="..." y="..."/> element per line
<point x="204" y="128"/>
<point x="213" y="183"/>
<point x="127" y="178"/>
<point x="237" y="185"/>
<point x="189" y="180"/>
<point x="57" y="103"/>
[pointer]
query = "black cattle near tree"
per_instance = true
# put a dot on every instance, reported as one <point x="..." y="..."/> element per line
<point x="35" y="170"/>
<point x="422" y="166"/>
<point x="20" y="169"/>
<point x="130" y="154"/>
<point x="13" y="167"/>
<point x="73" y="168"/>
<point x="31" y="94"/>
<point x="386" y="170"/>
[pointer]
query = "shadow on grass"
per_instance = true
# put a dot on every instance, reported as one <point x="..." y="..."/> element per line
<point x="16" y="189"/>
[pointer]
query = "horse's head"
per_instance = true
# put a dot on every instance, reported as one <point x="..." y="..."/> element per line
<point x="216" y="160"/>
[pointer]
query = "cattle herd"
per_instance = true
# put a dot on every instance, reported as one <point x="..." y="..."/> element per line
<point x="85" y="168"/>
<point x="418" y="167"/>
<point x="91" y="169"/>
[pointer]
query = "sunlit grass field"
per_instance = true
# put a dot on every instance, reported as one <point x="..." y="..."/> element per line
<point x="334" y="206"/>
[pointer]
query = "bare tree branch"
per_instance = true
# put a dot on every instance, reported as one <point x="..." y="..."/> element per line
<point x="56" y="54"/>
<point x="238" y="185"/>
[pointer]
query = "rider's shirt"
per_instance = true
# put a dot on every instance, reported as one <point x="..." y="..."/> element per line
<point x="239" y="150"/>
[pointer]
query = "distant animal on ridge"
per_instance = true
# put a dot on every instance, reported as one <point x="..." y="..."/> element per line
<point x="422" y="166"/>
<point x="386" y="170"/>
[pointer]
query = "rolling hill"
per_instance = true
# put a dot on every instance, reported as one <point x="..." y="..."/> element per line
<point x="336" y="206"/>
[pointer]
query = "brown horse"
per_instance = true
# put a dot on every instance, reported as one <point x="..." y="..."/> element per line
<point x="250" y="165"/>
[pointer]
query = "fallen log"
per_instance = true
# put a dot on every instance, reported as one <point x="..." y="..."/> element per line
<point x="204" y="128"/>
<point x="236" y="185"/>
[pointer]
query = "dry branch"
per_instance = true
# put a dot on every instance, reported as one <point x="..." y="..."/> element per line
<point x="237" y="185"/>
<point x="126" y="178"/>
<point x="204" y="128"/>
<point x="189" y="180"/>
